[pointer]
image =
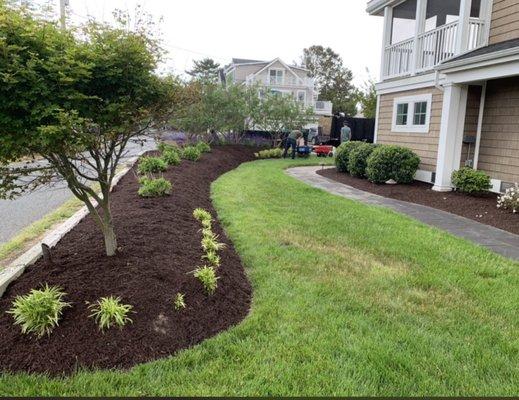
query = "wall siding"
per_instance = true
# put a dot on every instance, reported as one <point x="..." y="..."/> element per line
<point x="425" y="145"/>
<point x="499" y="151"/>
<point x="505" y="21"/>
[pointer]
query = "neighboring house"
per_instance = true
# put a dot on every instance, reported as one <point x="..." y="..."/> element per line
<point x="449" y="86"/>
<point x="278" y="76"/>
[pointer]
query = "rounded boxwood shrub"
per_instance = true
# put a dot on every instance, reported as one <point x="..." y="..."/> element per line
<point x="392" y="162"/>
<point x="269" y="153"/>
<point x="470" y="181"/>
<point x="358" y="159"/>
<point x="154" y="187"/>
<point x="191" y="153"/>
<point x="342" y="156"/>
<point x="148" y="165"/>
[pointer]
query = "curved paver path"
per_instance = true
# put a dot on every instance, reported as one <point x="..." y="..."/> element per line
<point x="497" y="240"/>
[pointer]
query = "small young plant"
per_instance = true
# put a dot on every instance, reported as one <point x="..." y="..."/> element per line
<point x="207" y="276"/>
<point x="179" y="301"/>
<point x="202" y="215"/>
<point x="148" y="165"/>
<point x="210" y="243"/>
<point x="39" y="311"/>
<point x="191" y="153"/>
<point x="212" y="258"/>
<point x="109" y="311"/>
<point x="203" y="147"/>
<point x="171" y="157"/>
<point x="154" y="187"/>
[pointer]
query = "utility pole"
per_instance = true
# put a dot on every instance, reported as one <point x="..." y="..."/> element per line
<point x="63" y="13"/>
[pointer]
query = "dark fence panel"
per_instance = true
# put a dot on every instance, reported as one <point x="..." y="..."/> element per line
<point x="361" y="128"/>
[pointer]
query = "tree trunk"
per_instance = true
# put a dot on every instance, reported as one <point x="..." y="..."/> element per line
<point x="110" y="238"/>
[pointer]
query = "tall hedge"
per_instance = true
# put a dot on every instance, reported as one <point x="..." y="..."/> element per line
<point x="392" y="162"/>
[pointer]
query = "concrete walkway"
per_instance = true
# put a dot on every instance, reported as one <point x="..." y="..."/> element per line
<point x="497" y="240"/>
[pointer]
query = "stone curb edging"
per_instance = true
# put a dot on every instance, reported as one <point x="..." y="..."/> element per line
<point x="18" y="266"/>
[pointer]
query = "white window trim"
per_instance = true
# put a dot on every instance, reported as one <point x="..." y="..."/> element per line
<point x="282" y="76"/>
<point x="410" y="127"/>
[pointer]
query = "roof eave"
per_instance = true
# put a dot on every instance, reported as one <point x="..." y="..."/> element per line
<point x="468" y="62"/>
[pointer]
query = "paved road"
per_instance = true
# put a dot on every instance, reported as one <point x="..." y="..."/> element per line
<point x="23" y="211"/>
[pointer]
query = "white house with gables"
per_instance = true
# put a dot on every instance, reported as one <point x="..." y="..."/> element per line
<point x="277" y="76"/>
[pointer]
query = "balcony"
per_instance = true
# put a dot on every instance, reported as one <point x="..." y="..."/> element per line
<point x="287" y="81"/>
<point x="431" y="48"/>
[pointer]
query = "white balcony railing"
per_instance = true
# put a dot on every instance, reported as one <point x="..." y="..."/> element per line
<point x="288" y="81"/>
<point x="433" y="48"/>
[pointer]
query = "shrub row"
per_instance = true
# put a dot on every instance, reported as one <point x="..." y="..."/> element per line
<point x="378" y="163"/>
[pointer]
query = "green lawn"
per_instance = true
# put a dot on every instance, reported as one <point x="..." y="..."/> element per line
<point x="348" y="300"/>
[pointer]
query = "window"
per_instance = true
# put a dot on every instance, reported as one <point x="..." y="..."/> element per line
<point x="276" y="76"/>
<point x="420" y="113"/>
<point x="301" y="96"/>
<point x="412" y="114"/>
<point x="401" y="113"/>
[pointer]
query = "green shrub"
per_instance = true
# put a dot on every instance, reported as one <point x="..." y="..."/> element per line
<point x="470" y="181"/>
<point x="358" y="159"/>
<point x="203" y="147"/>
<point x="207" y="276"/>
<point x="171" y="157"/>
<point x="39" y="311"/>
<point x="510" y="200"/>
<point x="179" y="301"/>
<point x="392" y="162"/>
<point x="109" y="311"/>
<point x="164" y="147"/>
<point x="202" y="215"/>
<point x="148" y="165"/>
<point x="269" y="153"/>
<point x="342" y="156"/>
<point x="154" y="187"/>
<point x="191" y="153"/>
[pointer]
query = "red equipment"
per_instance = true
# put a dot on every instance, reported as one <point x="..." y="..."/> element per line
<point x="323" y="151"/>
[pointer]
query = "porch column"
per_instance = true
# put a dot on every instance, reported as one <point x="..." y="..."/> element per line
<point x="386" y="40"/>
<point x="421" y="11"/>
<point x="451" y="135"/>
<point x="462" y="38"/>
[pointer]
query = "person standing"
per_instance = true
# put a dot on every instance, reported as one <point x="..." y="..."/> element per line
<point x="345" y="133"/>
<point x="291" y="142"/>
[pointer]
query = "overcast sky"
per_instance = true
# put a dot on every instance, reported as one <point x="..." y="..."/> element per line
<point x="261" y="29"/>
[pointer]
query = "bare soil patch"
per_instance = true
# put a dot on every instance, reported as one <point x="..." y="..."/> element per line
<point x="159" y="245"/>
<point x="482" y="209"/>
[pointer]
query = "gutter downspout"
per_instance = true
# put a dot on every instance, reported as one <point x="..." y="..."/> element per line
<point x="437" y="81"/>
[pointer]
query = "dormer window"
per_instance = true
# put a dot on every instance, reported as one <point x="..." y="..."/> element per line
<point x="276" y="76"/>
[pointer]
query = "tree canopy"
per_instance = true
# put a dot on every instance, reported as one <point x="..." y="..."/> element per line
<point x="76" y="103"/>
<point x="333" y="79"/>
<point x="205" y="70"/>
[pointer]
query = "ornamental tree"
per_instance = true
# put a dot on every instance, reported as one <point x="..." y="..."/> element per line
<point x="76" y="103"/>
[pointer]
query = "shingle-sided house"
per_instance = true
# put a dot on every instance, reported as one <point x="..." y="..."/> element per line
<point x="449" y="87"/>
<point x="277" y="76"/>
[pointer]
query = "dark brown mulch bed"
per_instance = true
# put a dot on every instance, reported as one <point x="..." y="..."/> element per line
<point x="160" y="245"/>
<point x="482" y="209"/>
